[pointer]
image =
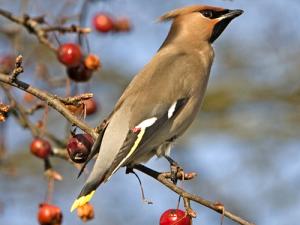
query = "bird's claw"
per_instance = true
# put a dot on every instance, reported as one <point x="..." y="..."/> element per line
<point x="175" y="170"/>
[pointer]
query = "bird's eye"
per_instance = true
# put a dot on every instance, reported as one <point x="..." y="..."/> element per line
<point x="207" y="13"/>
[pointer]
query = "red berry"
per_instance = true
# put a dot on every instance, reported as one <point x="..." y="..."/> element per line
<point x="103" y="22"/>
<point x="175" y="216"/>
<point x="79" y="73"/>
<point x="69" y="54"/>
<point x="40" y="148"/>
<point x="90" y="106"/>
<point x="49" y="214"/>
<point x="29" y="98"/>
<point x="79" y="147"/>
<point x="7" y="63"/>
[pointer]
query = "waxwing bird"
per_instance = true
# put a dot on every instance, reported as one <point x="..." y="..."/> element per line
<point x="163" y="99"/>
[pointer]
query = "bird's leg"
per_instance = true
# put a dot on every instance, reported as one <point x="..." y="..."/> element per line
<point x="175" y="168"/>
<point x="130" y="170"/>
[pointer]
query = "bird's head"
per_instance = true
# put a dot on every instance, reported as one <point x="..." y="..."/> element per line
<point x="201" y="21"/>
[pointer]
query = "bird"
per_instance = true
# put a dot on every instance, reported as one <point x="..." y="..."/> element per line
<point x="162" y="100"/>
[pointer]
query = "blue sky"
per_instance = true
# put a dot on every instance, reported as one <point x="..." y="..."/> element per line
<point x="229" y="168"/>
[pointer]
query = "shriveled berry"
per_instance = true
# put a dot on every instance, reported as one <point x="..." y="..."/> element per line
<point x="79" y="73"/>
<point x="90" y="106"/>
<point x="69" y="54"/>
<point x="79" y="147"/>
<point x="175" y="216"/>
<point x="86" y="212"/>
<point x="103" y="22"/>
<point x="122" y="25"/>
<point x="40" y="148"/>
<point x="92" y="62"/>
<point x="4" y="110"/>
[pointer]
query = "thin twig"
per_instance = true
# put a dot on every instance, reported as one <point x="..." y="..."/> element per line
<point x="70" y="29"/>
<point x="74" y="100"/>
<point x="35" y="27"/>
<point x="20" y="112"/>
<point x="35" y="108"/>
<point x="18" y="68"/>
<point x="51" y="100"/>
<point x="187" y="206"/>
<point x="166" y="182"/>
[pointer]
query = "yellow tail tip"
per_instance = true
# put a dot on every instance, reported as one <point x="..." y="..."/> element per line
<point x="75" y="205"/>
<point x="82" y="201"/>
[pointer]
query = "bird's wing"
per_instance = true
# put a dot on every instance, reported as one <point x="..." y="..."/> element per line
<point x="155" y="98"/>
<point x="153" y="109"/>
<point x="143" y="132"/>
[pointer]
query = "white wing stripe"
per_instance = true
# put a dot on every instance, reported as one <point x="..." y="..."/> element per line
<point x="171" y="110"/>
<point x="147" y="123"/>
<point x="143" y="125"/>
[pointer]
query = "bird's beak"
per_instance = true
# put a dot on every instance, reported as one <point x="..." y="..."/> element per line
<point x="223" y="21"/>
<point x="232" y="14"/>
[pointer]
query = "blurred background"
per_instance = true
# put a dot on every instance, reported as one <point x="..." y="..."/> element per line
<point x="244" y="144"/>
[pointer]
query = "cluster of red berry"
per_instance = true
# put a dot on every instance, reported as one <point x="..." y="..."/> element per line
<point x="79" y="147"/>
<point x="79" y="68"/>
<point x="49" y="214"/>
<point x="103" y="22"/>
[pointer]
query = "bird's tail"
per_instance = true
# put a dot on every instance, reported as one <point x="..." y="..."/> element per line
<point x="86" y="193"/>
<point x="113" y="139"/>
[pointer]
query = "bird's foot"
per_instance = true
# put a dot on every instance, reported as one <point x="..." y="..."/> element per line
<point x="175" y="169"/>
<point x="177" y="172"/>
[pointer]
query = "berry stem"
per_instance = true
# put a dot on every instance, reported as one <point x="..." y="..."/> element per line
<point x="45" y="119"/>
<point x="50" y="189"/>
<point x="50" y="181"/>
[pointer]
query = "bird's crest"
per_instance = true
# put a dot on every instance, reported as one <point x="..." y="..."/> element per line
<point x="188" y="9"/>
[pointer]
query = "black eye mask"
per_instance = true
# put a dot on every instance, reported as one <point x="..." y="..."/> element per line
<point x="213" y="14"/>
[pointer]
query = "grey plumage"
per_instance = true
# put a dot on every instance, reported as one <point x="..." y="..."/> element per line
<point x="162" y="100"/>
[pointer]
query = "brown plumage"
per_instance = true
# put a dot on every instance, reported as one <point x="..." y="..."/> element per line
<point x="187" y="10"/>
<point x="163" y="99"/>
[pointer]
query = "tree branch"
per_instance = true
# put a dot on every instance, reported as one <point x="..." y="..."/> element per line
<point x="34" y="26"/>
<point x="52" y="100"/>
<point x="20" y="112"/>
<point x="23" y="120"/>
<point x="71" y="29"/>
<point x="212" y="205"/>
